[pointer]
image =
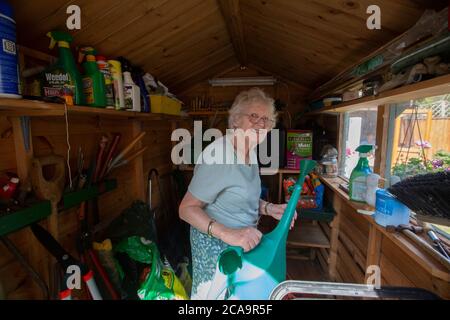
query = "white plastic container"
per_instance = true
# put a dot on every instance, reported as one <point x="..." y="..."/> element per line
<point x="132" y="93"/>
<point x="389" y="211"/>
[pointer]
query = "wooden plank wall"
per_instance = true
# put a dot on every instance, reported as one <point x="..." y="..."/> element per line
<point x="352" y="251"/>
<point x="291" y="94"/>
<point x="85" y="132"/>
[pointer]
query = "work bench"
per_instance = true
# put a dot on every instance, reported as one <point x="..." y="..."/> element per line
<point x="357" y="242"/>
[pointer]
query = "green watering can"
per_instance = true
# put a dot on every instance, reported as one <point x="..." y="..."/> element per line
<point x="253" y="275"/>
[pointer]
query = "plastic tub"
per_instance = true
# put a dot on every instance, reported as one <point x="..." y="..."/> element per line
<point x="389" y="211"/>
<point x="164" y="104"/>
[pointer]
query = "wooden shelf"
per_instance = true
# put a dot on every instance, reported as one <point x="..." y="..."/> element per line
<point x="308" y="235"/>
<point x="207" y="113"/>
<point x="213" y="113"/>
<point x="429" y="88"/>
<point x="24" y="107"/>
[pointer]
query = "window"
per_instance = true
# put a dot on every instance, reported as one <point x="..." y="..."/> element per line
<point x="360" y="128"/>
<point x="420" y="139"/>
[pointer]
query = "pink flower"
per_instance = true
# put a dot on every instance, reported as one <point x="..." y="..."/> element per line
<point x="348" y="152"/>
<point x="423" y="144"/>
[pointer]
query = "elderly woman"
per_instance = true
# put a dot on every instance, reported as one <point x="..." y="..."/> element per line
<point x="223" y="202"/>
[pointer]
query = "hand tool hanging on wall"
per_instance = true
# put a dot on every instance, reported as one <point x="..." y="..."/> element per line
<point x="87" y="253"/>
<point x="25" y="124"/>
<point x="99" y="158"/>
<point x="108" y="159"/>
<point x="49" y="189"/>
<point x="66" y="262"/>
<point x="127" y="160"/>
<point x="125" y="151"/>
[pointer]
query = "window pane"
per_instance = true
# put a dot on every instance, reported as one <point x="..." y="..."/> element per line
<point x="421" y="141"/>
<point x="360" y="128"/>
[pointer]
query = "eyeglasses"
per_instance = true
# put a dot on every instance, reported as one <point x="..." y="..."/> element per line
<point x="255" y="119"/>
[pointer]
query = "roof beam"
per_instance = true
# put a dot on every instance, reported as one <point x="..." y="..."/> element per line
<point x="231" y="12"/>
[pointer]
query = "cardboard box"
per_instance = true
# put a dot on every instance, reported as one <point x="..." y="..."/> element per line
<point x="299" y="146"/>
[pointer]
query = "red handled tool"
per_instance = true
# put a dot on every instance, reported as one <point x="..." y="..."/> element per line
<point x="66" y="262"/>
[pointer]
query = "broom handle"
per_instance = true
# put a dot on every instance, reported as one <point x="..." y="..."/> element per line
<point x="127" y="149"/>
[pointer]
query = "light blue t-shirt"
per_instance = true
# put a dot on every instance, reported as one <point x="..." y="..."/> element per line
<point x="231" y="191"/>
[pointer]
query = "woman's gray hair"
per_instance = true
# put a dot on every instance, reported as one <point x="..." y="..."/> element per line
<point x="247" y="98"/>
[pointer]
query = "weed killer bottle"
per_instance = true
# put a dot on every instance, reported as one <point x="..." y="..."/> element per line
<point x="9" y="69"/>
<point x="131" y="91"/>
<point x="116" y="73"/>
<point x="103" y="66"/>
<point x="94" y="87"/>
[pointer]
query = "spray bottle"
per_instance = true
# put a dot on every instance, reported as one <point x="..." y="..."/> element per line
<point x="358" y="178"/>
<point x="62" y="79"/>
<point x="131" y="90"/>
<point x="137" y="75"/>
<point x="103" y="66"/>
<point x="94" y="87"/>
<point x="116" y="72"/>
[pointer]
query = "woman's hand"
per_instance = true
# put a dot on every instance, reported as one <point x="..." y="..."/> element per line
<point x="277" y="210"/>
<point x="246" y="238"/>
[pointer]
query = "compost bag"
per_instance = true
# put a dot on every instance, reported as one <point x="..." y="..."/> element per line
<point x="143" y="274"/>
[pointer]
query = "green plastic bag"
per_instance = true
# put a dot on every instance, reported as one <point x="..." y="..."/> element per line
<point x="161" y="283"/>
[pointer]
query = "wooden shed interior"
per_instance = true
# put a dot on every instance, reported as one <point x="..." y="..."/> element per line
<point x="309" y="47"/>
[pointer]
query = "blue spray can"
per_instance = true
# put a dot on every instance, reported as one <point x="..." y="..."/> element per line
<point x="9" y="69"/>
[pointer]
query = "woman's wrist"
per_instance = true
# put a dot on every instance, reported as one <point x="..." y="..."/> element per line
<point x="265" y="208"/>
<point x="217" y="230"/>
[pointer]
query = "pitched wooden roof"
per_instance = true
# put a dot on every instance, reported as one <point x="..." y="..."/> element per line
<point x="187" y="41"/>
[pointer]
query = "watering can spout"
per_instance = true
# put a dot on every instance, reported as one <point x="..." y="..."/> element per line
<point x="282" y="229"/>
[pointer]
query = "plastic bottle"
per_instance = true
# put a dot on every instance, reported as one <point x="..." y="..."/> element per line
<point x="116" y="72"/>
<point x="94" y="87"/>
<point x="145" y="97"/>
<point x="103" y="66"/>
<point x="372" y="187"/>
<point x="9" y="69"/>
<point x="8" y="190"/>
<point x="132" y="93"/>
<point x="389" y="211"/>
<point x="63" y="79"/>
<point x="358" y="178"/>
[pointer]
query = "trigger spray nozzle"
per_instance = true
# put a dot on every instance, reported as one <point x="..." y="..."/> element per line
<point x="87" y="52"/>
<point x="63" y="39"/>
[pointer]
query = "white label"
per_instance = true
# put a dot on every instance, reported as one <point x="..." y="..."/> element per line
<point x="359" y="189"/>
<point x="9" y="47"/>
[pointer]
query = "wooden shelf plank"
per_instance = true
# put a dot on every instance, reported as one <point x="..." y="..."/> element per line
<point x="429" y="88"/>
<point x="308" y="235"/>
<point x="14" y="107"/>
<point x="213" y="113"/>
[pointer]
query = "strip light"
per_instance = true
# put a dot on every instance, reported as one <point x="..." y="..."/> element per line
<point x="249" y="81"/>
